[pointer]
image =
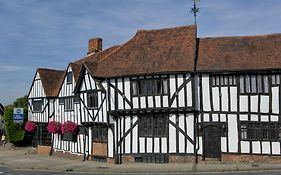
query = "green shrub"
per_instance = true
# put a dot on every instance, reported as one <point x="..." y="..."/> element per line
<point x="15" y="132"/>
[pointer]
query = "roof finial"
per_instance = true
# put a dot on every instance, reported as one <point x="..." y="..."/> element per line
<point x="194" y="10"/>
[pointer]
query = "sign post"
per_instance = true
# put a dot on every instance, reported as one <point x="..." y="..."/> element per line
<point x="18" y="115"/>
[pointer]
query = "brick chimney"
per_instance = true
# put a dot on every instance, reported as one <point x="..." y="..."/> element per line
<point x="95" y="45"/>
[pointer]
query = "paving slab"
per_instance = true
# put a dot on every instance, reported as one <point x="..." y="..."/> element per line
<point x="23" y="158"/>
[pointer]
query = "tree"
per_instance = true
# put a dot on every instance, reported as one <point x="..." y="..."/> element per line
<point x="15" y="132"/>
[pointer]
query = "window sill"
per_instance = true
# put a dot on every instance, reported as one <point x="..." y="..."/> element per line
<point x="92" y="108"/>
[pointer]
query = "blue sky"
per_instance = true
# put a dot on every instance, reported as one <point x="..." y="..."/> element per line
<point x="52" y="33"/>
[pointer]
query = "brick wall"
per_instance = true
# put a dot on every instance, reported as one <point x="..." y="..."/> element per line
<point x="41" y="149"/>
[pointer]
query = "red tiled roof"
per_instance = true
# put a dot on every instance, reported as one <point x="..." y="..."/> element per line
<point x="243" y="53"/>
<point x="51" y="80"/>
<point x="152" y="51"/>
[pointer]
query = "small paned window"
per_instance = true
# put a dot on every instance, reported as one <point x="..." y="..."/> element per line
<point x="37" y="105"/>
<point x="153" y="125"/>
<point x="254" y="84"/>
<point x="150" y="87"/>
<point x="76" y="99"/>
<point x="44" y="137"/>
<point x="69" y="77"/>
<point x="223" y="80"/>
<point x="99" y="133"/>
<point x="275" y="79"/>
<point x="61" y="101"/>
<point x="260" y="131"/>
<point x="92" y="100"/>
<point x="68" y="104"/>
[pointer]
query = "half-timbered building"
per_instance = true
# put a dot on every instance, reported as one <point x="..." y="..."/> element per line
<point x="240" y="95"/>
<point x="168" y="96"/>
<point x="41" y="102"/>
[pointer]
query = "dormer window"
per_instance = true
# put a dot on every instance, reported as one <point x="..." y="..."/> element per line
<point x="150" y="87"/>
<point x="69" y="77"/>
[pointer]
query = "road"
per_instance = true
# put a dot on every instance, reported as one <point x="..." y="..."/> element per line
<point x="6" y="171"/>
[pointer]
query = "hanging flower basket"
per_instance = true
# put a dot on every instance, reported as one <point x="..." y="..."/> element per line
<point x="69" y="127"/>
<point x="69" y="130"/>
<point x="30" y="126"/>
<point x="54" y="127"/>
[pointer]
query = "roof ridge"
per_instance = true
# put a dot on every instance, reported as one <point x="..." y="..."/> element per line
<point x="163" y="29"/>
<point x="241" y="36"/>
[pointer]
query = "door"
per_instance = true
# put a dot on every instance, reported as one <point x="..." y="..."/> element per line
<point x="212" y="140"/>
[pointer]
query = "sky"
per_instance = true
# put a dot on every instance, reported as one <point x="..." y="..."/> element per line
<point x="52" y="33"/>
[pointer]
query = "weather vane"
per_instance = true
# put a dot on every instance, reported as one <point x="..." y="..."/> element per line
<point x="194" y="10"/>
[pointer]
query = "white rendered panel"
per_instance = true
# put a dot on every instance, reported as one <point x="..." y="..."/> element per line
<point x="275" y="147"/>
<point x="143" y="103"/>
<point x="172" y="134"/>
<point x="224" y="98"/>
<point x="233" y="92"/>
<point x="157" y="101"/>
<point x="164" y="145"/>
<point x="223" y="144"/>
<point x="216" y="98"/>
<point x="243" y="117"/>
<point x="232" y="133"/>
<point x="245" y="147"/>
<point x="254" y="118"/>
<point x="256" y="147"/>
<point x="275" y="100"/>
<point x="206" y="93"/>
<point x="120" y="98"/>
<point x="149" y="145"/>
<point x="142" y="144"/>
<point x="135" y="102"/>
<point x="244" y="103"/>
<point x="223" y="118"/>
<point x="215" y="118"/>
<point x="173" y="88"/>
<point x="181" y="136"/>
<point x="190" y="132"/>
<point x="200" y="151"/>
<point x="150" y="102"/>
<point x="127" y="91"/>
<point x="264" y="118"/>
<point x="156" y="145"/>
<point x="264" y="104"/>
<point x="128" y="137"/>
<point x="274" y="118"/>
<point x="206" y="117"/>
<point x="181" y="96"/>
<point x="189" y="92"/>
<point x="254" y="103"/>
<point x="135" y="136"/>
<point x="165" y="101"/>
<point x="265" y="148"/>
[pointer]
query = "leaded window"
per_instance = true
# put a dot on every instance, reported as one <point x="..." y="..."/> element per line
<point x="69" y="77"/>
<point x="254" y="84"/>
<point x="99" y="133"/>
<point x="153" y="125"/>
<point x="68" y="104"/>
<point x="37" y="105"/>
<point x="150" y="87"/>
<point x="92" y="100"/>
<point x="260" y="131"/>
<point x="275" y="79"/>
<point x="223" y="80"/>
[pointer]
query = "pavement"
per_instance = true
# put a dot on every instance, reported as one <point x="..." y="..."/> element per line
<point x="23" y="158"/>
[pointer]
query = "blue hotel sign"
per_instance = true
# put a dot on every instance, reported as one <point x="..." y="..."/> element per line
<point x="18" y="115"/>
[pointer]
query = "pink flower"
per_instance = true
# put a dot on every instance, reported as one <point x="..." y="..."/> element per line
<point x="69" y="127"/>
<point x="54" y="127"/>
<point x="30" y="126"/>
